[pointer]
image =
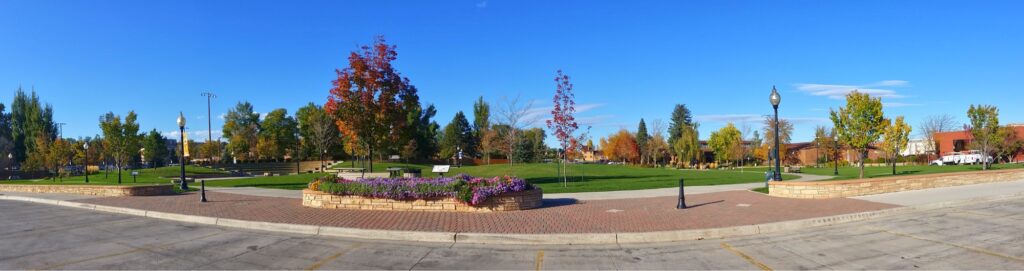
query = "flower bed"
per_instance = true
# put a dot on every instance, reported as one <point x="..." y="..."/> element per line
<point x="459" y="193"/>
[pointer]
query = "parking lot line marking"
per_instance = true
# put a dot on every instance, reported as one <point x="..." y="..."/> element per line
<point x="749" y="259"/>
<point x="970" y="248"/>
<point x="126" y="252"/>
<point x="540" y="260"/>
<point x="320" y="263"/>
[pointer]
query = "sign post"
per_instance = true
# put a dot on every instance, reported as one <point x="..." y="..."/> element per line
<point x="441" y="169"/>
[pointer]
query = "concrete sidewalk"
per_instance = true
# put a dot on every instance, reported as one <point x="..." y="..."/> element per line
<point x="949" y="194"/>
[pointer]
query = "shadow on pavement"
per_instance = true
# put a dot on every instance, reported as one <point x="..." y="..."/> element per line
<point x="548" y="203"/>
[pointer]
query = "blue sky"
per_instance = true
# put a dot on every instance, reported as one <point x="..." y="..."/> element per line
<point x="627" y="59"/>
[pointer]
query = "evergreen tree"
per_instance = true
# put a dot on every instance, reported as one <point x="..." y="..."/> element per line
<point x="29" y="119"/>
<point x="680" y="118"/>
<point x="642" y="137"/>
<point x="156" y="152"/>
<point x="458" y="134"/>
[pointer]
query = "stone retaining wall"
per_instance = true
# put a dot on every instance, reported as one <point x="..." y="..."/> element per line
<point x="509" y="202"/>
<point x="96" y="190"/>
<point x="852" y="188"/>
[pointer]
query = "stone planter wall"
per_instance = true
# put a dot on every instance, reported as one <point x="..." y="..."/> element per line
<point x="853" y="188"/>
<point x="509" y="202"/>
<point x="96" y="190"/>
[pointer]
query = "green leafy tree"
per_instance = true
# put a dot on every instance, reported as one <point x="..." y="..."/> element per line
<point x="122" y="138"/>
<point x="897" y="135"/>
<point x="687" y="146"/>
<point x="481" y="117"/>
<point x="155" y="150"/>
<point x="985" y="129"/>
<point x="725" y="142"/>
<point x="859" y="124"/>
<point x="242" y="129"/>
<point x="278" y="134"/>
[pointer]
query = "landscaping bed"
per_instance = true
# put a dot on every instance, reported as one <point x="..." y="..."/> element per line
<point x="462" y="193"/>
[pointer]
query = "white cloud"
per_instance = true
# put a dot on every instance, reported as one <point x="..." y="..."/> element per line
<point x="752" y="118"/>
<point x="542" y="114"/>
<point x="734" y="118"/>
<point x="890" y="83"/>
<point x="221" y="116"/>
<point x="838" y="92"/>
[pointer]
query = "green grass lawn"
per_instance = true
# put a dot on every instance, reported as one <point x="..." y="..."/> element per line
<point x="586" y="177"/>
<point x="851" y="172"/>
<point x="596" y="177"/>
<point x="147" y="176"/>
<point x="290" y="182"/>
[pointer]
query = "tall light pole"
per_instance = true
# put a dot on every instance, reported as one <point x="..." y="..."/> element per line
<point x="775" y="99"/>
<point x="181" y="158"/>
<point x="86" y="147"/>
<point x="835" y="160"/>
<point x="209" y="122"/>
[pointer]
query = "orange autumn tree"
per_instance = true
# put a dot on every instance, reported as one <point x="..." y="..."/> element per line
<point x="370" y="99"/>
<point x="621" y="146"/>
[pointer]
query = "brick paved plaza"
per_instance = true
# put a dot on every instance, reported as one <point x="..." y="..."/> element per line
<point x="712" y="210"/>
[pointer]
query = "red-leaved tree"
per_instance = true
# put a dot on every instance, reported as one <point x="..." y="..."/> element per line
<point x="562" y="121"/>
<point x="370" y="99"/>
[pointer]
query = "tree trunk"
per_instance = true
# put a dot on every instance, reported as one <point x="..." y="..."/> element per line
<point x="371" y="159"/>
<point x="863" y="154"/>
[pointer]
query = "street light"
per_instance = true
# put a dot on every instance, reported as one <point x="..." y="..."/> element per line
<point x="775" y="99"/>
<point x="835" y="160"/>
<point x="86" y="147"/>
<point x="181" y="158"/>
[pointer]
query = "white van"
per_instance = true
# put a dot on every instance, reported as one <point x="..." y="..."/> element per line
<point x="964" y="157"/>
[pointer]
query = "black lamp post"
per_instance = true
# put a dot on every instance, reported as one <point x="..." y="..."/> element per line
<point x="181" y="158"/>
<point x="835" y="160"/>
<point x="86" y="147"/>
<point x="775" y="100"/>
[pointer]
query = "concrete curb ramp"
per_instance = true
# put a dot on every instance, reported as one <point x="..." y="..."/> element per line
<point x="514" y="239"/>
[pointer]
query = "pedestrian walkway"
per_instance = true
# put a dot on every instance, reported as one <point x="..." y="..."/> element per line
<point x="257" y="191"/>
<point x="949" y="194"/>
<point x="710" y="210"/>
<point x="810" y="177"/>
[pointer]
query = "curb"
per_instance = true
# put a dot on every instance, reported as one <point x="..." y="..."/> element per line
<point x="518" y="239"/>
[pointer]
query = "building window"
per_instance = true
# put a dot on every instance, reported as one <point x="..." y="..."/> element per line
<point x="959" y="145"/>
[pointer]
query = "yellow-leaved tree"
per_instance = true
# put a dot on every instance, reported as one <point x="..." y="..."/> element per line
<point x="859" y="123"/>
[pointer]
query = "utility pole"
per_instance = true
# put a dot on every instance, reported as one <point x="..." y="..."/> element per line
<point x="60" y="129"/>
<point x="209" y="123"/>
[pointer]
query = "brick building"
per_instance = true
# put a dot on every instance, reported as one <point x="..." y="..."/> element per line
<point x="958" y="141"/>
<point x="807" y="154"/>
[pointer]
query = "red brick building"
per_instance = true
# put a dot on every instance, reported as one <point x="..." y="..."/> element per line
<point x="807" y="153"/>
<point x="957" y="141"/>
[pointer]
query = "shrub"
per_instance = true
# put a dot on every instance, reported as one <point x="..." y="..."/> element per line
<point x="471" y="190"/>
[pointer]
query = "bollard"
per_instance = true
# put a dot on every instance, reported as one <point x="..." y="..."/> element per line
<point x="682" y="197"/>
<point x="202" y="190"/>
